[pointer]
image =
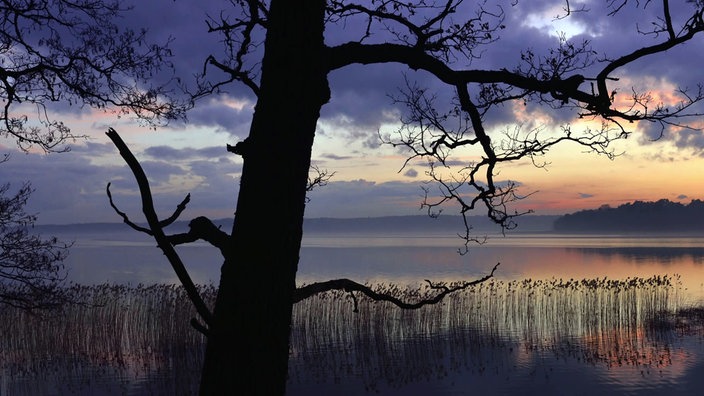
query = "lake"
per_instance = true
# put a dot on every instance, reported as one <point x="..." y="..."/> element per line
<point x="561" y="343"/>
<point x="410" y="258"/>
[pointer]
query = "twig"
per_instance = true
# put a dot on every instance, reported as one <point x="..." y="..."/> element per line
<point x="126" y="219"/>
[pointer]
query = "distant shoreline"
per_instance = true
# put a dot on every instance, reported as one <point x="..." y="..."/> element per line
<point x="413" y="223"/>
<point x="662" y="217"/>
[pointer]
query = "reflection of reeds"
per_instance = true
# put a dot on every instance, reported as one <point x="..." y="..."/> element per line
<point x="132" y="329"/>
<point x="145" y="329"/>
<point x="592" y="319"/>
<point x="528" y="309"/>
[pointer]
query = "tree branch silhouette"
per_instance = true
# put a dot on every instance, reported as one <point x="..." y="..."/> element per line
<point x="202" y="228"/>
<point x="554" y="79"/>
<point x="348" y="285"/>
<point x="32" y="273"/>
<point x="156" y="227"/>
<point x="75" y="52"/>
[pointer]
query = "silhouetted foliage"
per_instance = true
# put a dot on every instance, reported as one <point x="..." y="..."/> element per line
<point x="31" y="268"/>
<point x="75" y="53"/>
<point x="659" y="216"/>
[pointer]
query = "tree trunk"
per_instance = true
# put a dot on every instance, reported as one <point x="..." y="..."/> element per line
<point x="248" y="347"/>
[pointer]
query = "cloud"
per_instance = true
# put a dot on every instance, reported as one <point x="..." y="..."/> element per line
<point x="71" y="186"/>
<point x="689" y="138"/>
<point x="223" y="113"/>
<point x="585" y="195"/>
<point x="93" y="149"/>
<point x="360" y="198"/>
<point x="412" y="173"/>
<point x="449" y="162"/>
<point x="682" y="196"/>
<point x="171" y="153"/>
<point x="360" y="102"/>
<point x="680" y="138"/>
<point x="67" y="187"/>
<point x="336" y="157"/>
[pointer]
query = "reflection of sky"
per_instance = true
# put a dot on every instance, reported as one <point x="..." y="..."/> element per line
<point x="410" y="259"/>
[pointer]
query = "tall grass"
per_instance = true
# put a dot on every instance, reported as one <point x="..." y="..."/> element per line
<point x="139" y="330"/>
<point x="111" y="323"/>
<point x="131" y="332"/>
<point x="529" y="310"/>
<point x="594" y="320"/>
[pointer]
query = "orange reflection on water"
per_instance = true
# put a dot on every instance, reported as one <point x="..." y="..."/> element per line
<point x="613" y="263"/>
<point x="632" y="356"/>
<point x="411" y="258"/>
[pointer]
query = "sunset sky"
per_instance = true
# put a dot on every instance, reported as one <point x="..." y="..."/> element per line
<point x="368" y="181"/>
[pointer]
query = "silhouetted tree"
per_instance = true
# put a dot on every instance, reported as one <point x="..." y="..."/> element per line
<point x="58" y="53"/>
<point x="279" y="50"/>
<point x="655" y="217"/>
<point x="74" y="52"/>
<point x="31" y="268"/>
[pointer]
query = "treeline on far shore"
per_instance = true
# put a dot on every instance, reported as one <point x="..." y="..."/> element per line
<point x="662" y="216"/>
<point x="639" y="216"/>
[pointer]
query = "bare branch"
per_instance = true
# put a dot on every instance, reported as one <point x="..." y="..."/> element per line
<point x="156" y="228"/>
<point x="668" y="20"/>
<point x="32" y="274"/>
<point x="179" y="209"/>
<point x="569" y="10"/>
<point x="554" y="79"/>
<point x="320" y="179"/>
<point x="124" y="216"/>
<point x="74" y="52"/>
<point x="428" y="26"/>
<point x="240" y="42"/>
<point x="199" y="327"/>
<point x="164" y="223"/>
<point x="428" y="133"/>
<point x="350" y="286"/>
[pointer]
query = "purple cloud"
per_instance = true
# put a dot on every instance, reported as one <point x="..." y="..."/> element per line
<point x="70" y="187"/>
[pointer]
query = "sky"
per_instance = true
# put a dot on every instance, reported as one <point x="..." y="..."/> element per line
<point x="369" y="177"/>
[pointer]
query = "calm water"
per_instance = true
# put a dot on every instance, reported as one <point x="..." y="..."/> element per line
<point x="411" y="258"/>
<point x="461" y="360"/>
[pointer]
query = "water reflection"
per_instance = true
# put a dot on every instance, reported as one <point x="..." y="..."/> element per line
<point x="121" y="341"/>
<point x="686" y="261"/>
<point x="413" y="264"/>
<point x="409" y="258"/>
<point x="550" y="334"/>
<point x="502" y="338"/>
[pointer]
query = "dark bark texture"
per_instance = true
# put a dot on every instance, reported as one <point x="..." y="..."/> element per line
<point x="252" y="315"/>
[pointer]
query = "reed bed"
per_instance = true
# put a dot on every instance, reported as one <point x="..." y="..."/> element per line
<point x="595" y="320"/>
<point x="139" y="329"/>
<point x="530" y="310"/>
<point x="128" y="332"/>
